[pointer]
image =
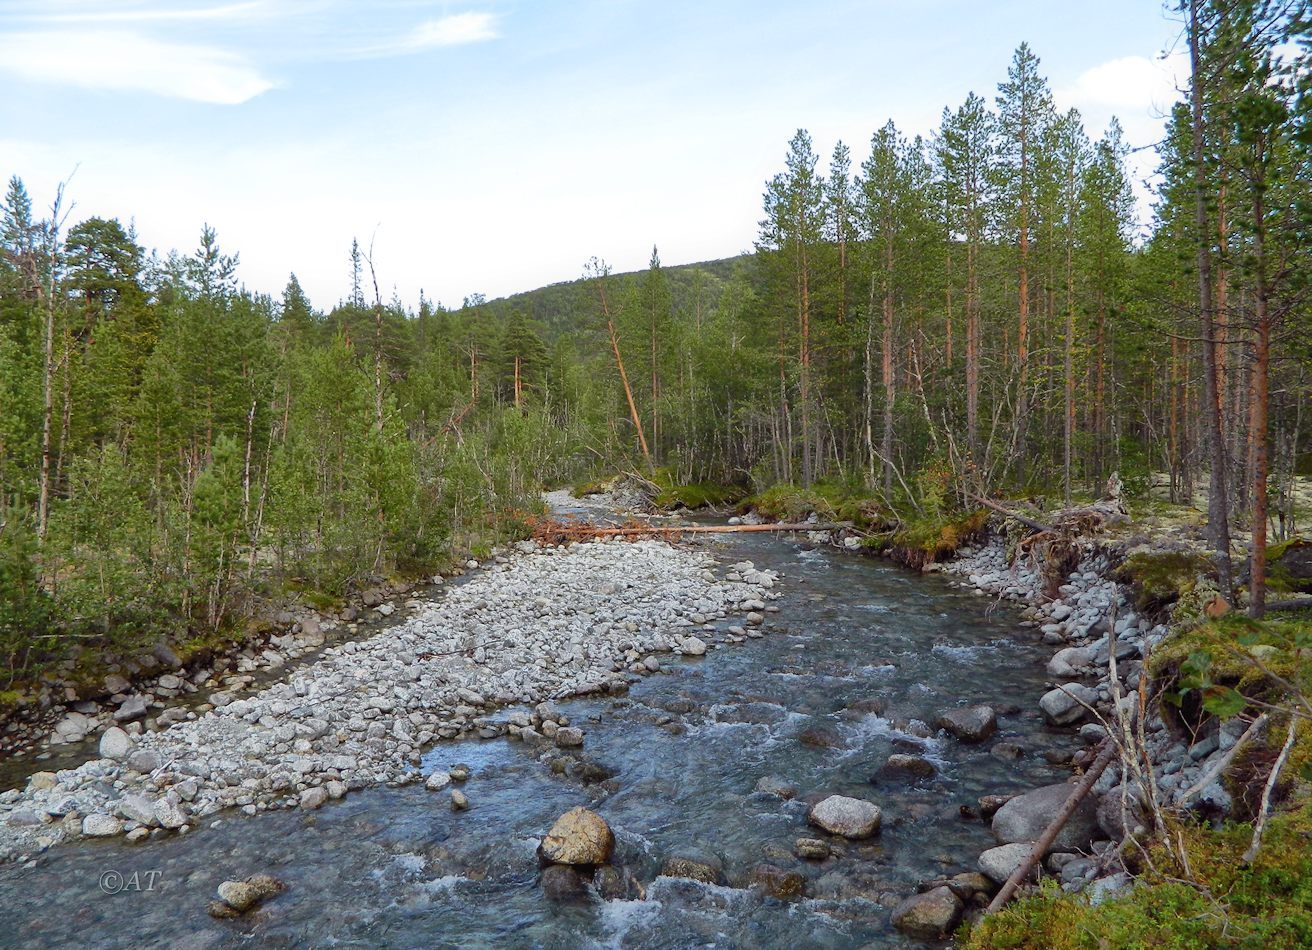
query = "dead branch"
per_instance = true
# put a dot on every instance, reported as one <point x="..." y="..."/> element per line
<point x="1271" y="781"/>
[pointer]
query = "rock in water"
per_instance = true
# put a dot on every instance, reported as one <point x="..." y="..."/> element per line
<point x="459" y="800"/>
<point x="778" y="883"/>
<point x="972" y="724"/>
<point x="239" y="895"/>
<point x="1001" y="862"/>
<point x="437" y="781"/>
<point x="1026" y="816"/>
<point x="929" y="916"/>
<point x="848" y="817"/>
<point x="900" y="765"/>
<point x="116" y="744"/>
<point x="772" y="785"/>
<point x="561" y="882"/>
<point x="313" y="797"/>
<point x="692" y="869"/>
<point x="811" y="849"/>
<point x="579" y="837"/>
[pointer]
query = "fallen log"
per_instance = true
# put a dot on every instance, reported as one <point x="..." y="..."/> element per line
<point x="709" y="529"/>
<point x="1028" y="522"/>
<point x="1050" y="833"/>
<point x="1304" y="603"/>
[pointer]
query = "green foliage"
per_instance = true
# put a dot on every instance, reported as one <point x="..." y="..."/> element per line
<point x="1265" y="904"/>
<point x="26" y="609"/>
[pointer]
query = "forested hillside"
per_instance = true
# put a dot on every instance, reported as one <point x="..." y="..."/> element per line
<point x="973" y="311"/>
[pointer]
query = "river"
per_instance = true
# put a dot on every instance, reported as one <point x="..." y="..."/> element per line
<point x="686" y="748"/>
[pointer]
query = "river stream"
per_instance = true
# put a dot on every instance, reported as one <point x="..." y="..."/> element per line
<point x="397" y="867"/>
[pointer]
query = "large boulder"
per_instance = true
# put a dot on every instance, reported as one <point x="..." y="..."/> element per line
<point x="1001" y="862"/>
<point x="1066" y="705"/>
<point x="848" y="817"/>
<point x="1291" y="563"/>
<point x="929" y="916"/>
<point x="579" y="837"/>
<point x="1025" y="817"/>
<point x="971" y="724"/>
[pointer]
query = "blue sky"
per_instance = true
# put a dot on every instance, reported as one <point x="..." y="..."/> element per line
<point x="495" y="147"/>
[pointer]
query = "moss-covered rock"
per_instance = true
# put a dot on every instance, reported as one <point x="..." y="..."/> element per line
<point x="1289" y="566"/>
<point x="1160" y="578"/>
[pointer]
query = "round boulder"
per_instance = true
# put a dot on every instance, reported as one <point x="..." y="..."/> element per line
<point x="847" y="817"/>
<point x="580" y="837"/>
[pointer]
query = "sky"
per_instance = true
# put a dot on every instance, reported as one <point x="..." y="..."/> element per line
<point x="495" y="147"/>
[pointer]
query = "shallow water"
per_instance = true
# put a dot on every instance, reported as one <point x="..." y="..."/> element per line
<point x="396" y="867"/>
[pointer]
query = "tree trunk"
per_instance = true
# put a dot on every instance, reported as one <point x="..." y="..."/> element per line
<point x="1257" y="434"/>
<point x="624" y="377"/>
<point x="1218" y="507"/>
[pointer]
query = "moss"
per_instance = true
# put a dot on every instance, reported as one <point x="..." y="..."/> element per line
<point x="931" y="539"/>
<point x="1279" y="576"/>
<point x="697" y="496"/>
<point x="1160" y="578"/>
<point x="593" y="486"/>
<point x="787" y="503"/>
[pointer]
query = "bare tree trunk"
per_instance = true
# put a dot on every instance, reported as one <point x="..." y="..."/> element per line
<point x="1218" y="507"/>
<point x="1257" y="434"/>
<point x="619" y="363"/>
<point x="1070" y="368"/>
<point x="886" y="370"/>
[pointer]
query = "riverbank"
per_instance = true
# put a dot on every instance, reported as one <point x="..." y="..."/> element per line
<point x="545" y="624"/>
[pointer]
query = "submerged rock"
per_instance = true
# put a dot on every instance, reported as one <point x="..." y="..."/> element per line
<point x="848" y="817"/>
<point x="778" y="883"/>
<point x="560" y="882"/>
<point x="694" y="869"/>
<point x="811" y="849"/>
<point x="902" y="766"/>
<point x="580" y="837"/>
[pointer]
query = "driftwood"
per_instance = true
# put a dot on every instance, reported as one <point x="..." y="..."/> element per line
<point x="632" y="531"/>
<point x="1050" y="833"/>
<point x="552" y="531"/>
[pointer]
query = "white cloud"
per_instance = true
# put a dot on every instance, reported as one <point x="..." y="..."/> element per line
<point x="128" y="62"/>
<point x="454" y="30"/>
<point x="1134" y="85"/>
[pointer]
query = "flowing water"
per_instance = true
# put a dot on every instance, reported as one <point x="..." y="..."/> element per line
<point x="396" y="867"/>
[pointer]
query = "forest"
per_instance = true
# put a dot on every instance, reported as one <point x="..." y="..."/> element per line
<point x="973" y="312"/>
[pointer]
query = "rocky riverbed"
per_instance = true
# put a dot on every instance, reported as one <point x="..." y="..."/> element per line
<point x="548" y="623"/>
